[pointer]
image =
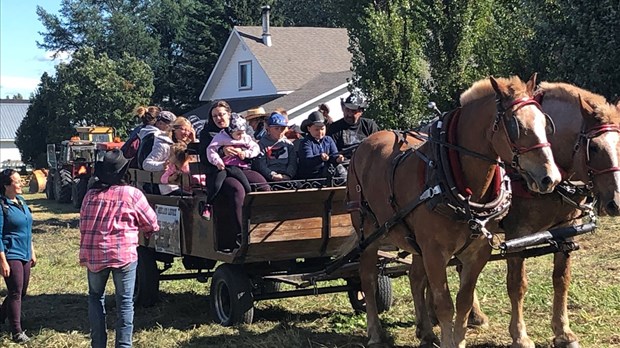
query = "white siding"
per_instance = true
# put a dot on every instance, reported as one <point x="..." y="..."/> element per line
<point x="335" y="111"/>
<point x="228" y="86"/>
<point x="9" y="151"/>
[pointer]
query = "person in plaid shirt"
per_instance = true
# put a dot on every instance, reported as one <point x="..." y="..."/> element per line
<point x="112" y="215"/>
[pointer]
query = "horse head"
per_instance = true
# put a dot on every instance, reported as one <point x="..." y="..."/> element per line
<point x="598" y="148"/>
<point x="522" y="140"/>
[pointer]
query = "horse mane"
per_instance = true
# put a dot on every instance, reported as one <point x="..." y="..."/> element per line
<point x="483" y="89"/>
<point x="604" y="112"/>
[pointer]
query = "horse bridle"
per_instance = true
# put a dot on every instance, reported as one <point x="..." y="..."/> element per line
<point x="511" y="127"/>
<point x="585" y="136"/>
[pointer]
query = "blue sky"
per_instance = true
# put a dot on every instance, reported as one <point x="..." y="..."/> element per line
<point x="21" y="62"/>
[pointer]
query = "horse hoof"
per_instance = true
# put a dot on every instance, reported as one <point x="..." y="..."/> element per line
<point x="434" y="343"/>
<point x="477" y="321"/>
<point x="574" y="344"/>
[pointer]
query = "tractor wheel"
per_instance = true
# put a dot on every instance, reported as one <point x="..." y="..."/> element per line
<point x="62" y="185"/>
<point x="383" y="295"/>
<point x="78" y="191"/>
<point x="50" y="188"/>
<point x="231" y="298"/>
<point x="146" y="291"/>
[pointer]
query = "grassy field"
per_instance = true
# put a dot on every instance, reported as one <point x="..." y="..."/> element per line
<point x="55" y="313"/>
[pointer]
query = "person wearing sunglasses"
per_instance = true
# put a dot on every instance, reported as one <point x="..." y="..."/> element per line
<point x="17" y="254"/>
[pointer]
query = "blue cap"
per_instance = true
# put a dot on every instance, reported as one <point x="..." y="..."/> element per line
<point x="276" y="119"/>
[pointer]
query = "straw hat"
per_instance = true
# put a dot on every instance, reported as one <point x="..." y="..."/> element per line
<point x="255" y="113"/>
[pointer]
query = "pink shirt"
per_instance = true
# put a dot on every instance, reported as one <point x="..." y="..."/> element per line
<point x="110" y="221"/>
<point x="196" y="179"/>
<point x="246" y="143"/>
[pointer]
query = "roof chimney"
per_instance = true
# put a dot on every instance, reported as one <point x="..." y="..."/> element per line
<point x="266" y="35"/>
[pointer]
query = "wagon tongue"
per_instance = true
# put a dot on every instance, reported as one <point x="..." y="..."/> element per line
<point x="554" y="236"/>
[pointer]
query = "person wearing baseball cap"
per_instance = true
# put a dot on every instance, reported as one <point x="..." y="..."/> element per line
<point x="278" y="159"/>
<point x="352" y="129"/>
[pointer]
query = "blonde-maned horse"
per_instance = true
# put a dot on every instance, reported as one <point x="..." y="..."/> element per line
<point x="499" y="122"/>
<point x="586" y="147"/>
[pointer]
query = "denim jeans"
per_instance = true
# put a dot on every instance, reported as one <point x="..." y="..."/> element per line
<point x="124" y="281"/>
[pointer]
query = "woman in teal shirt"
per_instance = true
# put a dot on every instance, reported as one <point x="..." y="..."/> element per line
<point x="16" y="250"/>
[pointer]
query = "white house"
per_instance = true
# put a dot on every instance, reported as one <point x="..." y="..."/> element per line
<point x="295" y="68"/>
<point x="12" y="112"/>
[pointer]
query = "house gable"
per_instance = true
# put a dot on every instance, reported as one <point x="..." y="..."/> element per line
<point x="297" y="55"/>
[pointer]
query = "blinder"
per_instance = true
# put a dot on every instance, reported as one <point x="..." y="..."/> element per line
<point x="512" y="127"/>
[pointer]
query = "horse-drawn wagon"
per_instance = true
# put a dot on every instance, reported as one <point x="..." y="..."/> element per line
<point x="289" y="237"/>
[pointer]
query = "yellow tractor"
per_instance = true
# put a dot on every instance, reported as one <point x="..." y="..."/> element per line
<point x="71" y="164"/>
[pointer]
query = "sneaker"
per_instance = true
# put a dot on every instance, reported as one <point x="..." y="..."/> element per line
<point x="21" y="337"/>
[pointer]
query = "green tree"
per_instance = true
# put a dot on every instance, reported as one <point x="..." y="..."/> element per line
<point x="577" y="42"/>
<point x="91" y="89"/>
<point x="387" y="62"/>
<point x="41" y="123"/>
<point x="201" y="44"/>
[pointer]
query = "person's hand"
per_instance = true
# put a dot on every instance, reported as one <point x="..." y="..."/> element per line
<point x="220" y="166"/>
<point x="241" y="154"/>
<point x="324" y="157"/>
<point x="192" y="136"/>
<point x="340" y="159"/>
<point x="173" y="178"/>
<point x="5" y="269"/>
<point x="277" y="177"/>
<point x="230" y="151"/>
<point x="33" y="260"/>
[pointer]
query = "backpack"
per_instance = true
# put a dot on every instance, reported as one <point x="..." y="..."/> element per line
<point x="5" y="207"/>
<point x="145" y="148"/>
<point x="130" y="147"/>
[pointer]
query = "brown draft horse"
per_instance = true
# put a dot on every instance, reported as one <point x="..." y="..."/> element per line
<point x="499" y="122"/>
<point x="586" y="147"/>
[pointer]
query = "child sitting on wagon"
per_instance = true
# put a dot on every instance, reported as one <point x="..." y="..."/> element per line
<point x="318" y="155"/>
<point x="231" y="166"/>
<point x="278" y="159"/>
<point x="178" y="164"/>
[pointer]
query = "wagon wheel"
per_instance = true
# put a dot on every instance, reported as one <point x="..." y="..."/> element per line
<point x="383" y="296"/>
<point x="231" y="298"/>
<point x="146" y="291"/>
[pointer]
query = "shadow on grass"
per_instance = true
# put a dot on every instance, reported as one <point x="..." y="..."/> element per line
<point x="52" y="206"/>
<point x="282" y="335"/>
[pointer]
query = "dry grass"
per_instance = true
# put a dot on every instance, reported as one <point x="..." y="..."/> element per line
<point x="55" y="313"/>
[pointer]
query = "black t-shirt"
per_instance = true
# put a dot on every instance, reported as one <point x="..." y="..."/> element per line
<point x="346" y="135"/>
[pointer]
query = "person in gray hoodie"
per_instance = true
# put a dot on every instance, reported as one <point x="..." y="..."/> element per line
<point x="155" y="159"/>
<point x="278" y="158"/>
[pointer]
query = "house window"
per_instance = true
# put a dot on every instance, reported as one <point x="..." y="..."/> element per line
<point x="245" y="75"/>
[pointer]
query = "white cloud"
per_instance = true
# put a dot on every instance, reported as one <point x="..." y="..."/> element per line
<point x="10" y="85"/>
<point x="61" y="57"/>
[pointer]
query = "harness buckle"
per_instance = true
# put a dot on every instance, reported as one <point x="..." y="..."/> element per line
<point x="430" y="193"/>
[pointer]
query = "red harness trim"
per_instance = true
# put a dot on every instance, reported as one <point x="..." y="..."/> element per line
<point x="593" y="133"/>
<point x="516" y="105"/>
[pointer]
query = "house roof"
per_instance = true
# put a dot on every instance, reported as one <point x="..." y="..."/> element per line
<point x="316" y="91"/>
<point x="12" y="112"/>
<point x="298" y="54"/>
<point x="236" y="104"/>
